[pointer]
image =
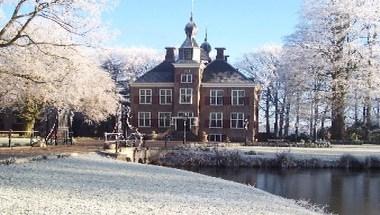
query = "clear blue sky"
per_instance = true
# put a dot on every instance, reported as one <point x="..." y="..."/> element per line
<point x="238" y="25"/>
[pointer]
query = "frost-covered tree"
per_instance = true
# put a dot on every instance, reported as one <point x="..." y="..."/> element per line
<point x="47" y="58"/>
<point x="125" y="65"/>
<point x="264" y="67"/>
<point x="330" y="46"/>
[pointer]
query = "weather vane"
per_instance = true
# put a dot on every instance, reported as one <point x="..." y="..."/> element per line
<point x="192" y="7"/>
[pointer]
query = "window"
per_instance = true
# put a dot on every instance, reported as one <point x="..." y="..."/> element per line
<point x="186" y="78"/>
<point x="216" y="120"/>
<point x="237" y="120"/>
<point x="215" y="137"/>
<point x="145" y="96"/>
<point x="164" y="119"/>
<point x="188" y="53"/>
<point x="185" y="114"/>
<point x="144" y="119"/>
<point x="186" y="96"/>
<point x="165" y="96"/>
<point x="216" y="97"/>
<point x="238" y="97"/>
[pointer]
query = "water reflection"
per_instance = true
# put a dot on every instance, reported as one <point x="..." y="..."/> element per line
<point x="343" y="192"/>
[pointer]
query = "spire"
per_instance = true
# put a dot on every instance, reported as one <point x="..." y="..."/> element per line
<point x="206" y="35"/>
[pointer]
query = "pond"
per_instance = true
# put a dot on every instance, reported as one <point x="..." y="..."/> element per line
<point x="343" y="192"/>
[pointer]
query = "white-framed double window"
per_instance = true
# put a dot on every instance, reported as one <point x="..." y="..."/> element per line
<point x="187" y="78"/>
<point x="215" y="137"/>
<point x="166" y="96"/>
<point x="237" y="97"/>
<point x="186" y="95"/>
<point x="216" y="97"/>
<point x="237" y="120"/>
<point x="216" y="120"/>
<point x="164" y="119"/>
<point x="145" y="96"/>
<point x="144" y="119"/>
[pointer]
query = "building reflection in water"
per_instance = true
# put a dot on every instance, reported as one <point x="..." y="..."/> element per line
<point x="341" y="191"/>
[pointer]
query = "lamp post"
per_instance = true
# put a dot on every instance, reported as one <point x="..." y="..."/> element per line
<point x="246" y="125"/>
<point x="184" y="129"/>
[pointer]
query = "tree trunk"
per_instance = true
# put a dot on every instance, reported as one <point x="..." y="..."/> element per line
<point x="282" y="112"/>
<point x="311" y="119"/>
<point x="297" y="116"/>
<point x="287" y="120"/>
<point x="338" y="106"/>
<point x="276" y="112"/>
<point x="356" y="108"/>
<point x="29" y="124"/>
<point x="267" y="107"/>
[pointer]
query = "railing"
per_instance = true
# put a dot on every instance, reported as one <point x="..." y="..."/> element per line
<point x="113" y="138"/>
<point x="18" y="138"/>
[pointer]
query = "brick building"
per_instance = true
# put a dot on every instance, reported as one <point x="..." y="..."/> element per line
<point x="196" y="95"/>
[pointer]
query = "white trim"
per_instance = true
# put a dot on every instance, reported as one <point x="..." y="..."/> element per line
<point x="187" y="79"/>
<point x="220" y="136"/>
<point x="231" y="127"/>
<point x="216" y="97"/>
<point x="151" y="96"/>
<point x="150" y="120"/>
<point x="209" y="118"/>
<point x="232" y="97"/>
<point x="228" y="85"/>
<point x="158" y="119"/>
<point x="171" y="95"/>
<point x="186" y="65"/>
<point x="180" y="95"/>
<point x="153" y="84"/>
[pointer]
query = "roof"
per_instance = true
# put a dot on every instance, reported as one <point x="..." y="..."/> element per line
<point x="189" y="43"/>
<point x="220" y="71"/>
<point x="164" y="72"/>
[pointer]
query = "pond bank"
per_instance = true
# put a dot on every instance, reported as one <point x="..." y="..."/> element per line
<point x="227" y="157"/>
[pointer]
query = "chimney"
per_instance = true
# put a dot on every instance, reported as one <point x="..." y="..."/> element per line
<point x="220" y="53"/>
<point x="170" y="57"/>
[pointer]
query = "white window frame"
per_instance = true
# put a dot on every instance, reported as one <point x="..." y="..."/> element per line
<point x="165" y="125"/>
<point x="236" y="97"/>
<point x="145" y="96"/>
<point x="185" y="114"/>
<point x="140" y="114"/>
<point x="216" y="135"/>
<point x="164" y="93"/>
<point x="237" y="119"/>
<point x="217" y="114"/>
<point x="186" y="94"/>
<point x="216" y="97"/>
<point x="186" y="78"/>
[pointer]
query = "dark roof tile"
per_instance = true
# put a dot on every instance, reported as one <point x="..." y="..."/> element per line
<point x="220" y="71"/>
<point x="162" y="73"/>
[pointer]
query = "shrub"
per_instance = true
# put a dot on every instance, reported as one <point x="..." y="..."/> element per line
<point x="285" y="160"/>
<point x="372" y="162"/>
<point x="349" y="161"/>
<point x="250" y="153"/>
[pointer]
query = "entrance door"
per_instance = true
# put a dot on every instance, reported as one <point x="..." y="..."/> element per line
<point x="180" y="122"/>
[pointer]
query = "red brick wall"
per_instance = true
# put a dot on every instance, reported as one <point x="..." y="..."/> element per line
<point x="248" y="109"/>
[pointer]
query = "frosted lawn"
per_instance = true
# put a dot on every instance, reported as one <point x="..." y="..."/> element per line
<point x="90" y="184"/>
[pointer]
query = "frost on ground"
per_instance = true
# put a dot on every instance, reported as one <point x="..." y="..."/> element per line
<point x="90" y="184"/>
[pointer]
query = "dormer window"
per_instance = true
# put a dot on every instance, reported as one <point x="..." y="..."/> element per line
<point x="186" y="78"/>
<point x="188" y="53"/>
